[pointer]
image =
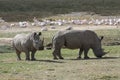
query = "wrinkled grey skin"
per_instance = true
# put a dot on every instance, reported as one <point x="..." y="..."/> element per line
<point x="28" y="43"/>
<point x="76" y="39"/>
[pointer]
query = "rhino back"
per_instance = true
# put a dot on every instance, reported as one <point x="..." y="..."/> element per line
<point x="76" y="39"/>
<point x="22" y="42"/>
<point x="58" y="39"/>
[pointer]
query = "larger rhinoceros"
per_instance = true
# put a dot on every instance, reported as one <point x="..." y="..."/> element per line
<point x="27" y="43"/>
<point x="77" y="39"/>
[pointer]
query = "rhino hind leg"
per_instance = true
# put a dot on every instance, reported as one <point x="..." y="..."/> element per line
<point x="18" y="54"/>
<point x="57" y="52"/>
<point x="54" y="55"/>
<point x="80" y="53"/>
<point x="60" y="57"/>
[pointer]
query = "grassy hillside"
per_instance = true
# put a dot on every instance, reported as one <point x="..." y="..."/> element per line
<point x="26" y="9"/>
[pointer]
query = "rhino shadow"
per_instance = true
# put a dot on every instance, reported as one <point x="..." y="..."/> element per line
<point x="51" y="61"/>
<point x="96" y="58"/>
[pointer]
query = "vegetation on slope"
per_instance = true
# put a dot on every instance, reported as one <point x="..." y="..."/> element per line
<point x="27" y="9"/>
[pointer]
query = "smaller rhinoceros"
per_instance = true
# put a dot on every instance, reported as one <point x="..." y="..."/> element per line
<point x="28" y="43"/>
<point x="77" y="39"/>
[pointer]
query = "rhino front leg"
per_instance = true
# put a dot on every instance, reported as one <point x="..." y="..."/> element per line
<point x="27" y="55"/>
<point x="80" y="53"/>
<point x="33" y="55"/>
<point x="59" y="54"/>
<point x="86" y="53"/>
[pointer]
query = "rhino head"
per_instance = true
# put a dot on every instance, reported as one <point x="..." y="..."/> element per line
<point x="37" y="41"/>
<point x="99" y="53"/>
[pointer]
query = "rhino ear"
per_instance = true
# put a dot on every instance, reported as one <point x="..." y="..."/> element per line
<point x="101" y="38"/>
<point x="39" y="33"/>
<point x="33" y="35"/>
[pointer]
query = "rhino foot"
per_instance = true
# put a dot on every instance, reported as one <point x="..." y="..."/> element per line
<point x="55" y="58"/>
<point x="78" y="58"/>
<point x="27" y="59"/>
<point x="61" y="58"/>
<point x="33" y="59"/>
<point x="86" y="57"/>
<point x="99" y="57"/>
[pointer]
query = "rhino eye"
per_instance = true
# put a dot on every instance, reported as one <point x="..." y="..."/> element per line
<point x="35" y="38"/>
<point x="36" y="42"/>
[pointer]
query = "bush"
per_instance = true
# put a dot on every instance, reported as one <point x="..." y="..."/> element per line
<point x="12" y="10"/>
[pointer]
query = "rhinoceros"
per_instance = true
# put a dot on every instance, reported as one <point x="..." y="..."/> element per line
<point x="28" y="43"/>
<point x="77" y="39"/>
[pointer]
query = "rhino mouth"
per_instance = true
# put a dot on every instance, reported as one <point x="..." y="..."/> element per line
<point x="41" y="48"/>
<point x="99" y="53"/>
<point x="99" y="56"/>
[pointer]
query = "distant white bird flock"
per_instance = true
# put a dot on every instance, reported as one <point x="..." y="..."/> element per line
<point x="60" y="22"/>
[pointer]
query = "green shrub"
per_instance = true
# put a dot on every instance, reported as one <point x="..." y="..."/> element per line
<point x="15" y="10"/>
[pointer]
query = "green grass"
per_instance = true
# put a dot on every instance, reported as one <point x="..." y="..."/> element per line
<point x="5" y="49"/>
<point x="111" y="37"/>
<point x="10" y="34"/>
<point x="45" y="68"/>
<point x="48" y="34"/>
<point x="15" y="10"/>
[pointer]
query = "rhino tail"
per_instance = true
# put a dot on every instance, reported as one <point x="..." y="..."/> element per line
<point x="50" y="45"/>
<point x="12" y="44"/>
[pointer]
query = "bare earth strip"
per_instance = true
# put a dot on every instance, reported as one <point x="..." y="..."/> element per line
<point x="5" y="41"/>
